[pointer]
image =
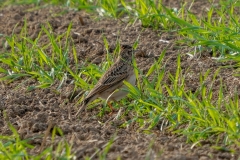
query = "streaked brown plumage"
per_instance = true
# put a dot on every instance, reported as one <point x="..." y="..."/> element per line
<point x="112" y="80"/>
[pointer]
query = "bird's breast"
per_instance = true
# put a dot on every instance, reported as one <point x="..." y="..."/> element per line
<point x="132" y="79"/>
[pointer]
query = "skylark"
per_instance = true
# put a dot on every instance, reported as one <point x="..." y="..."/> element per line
<point x="110" y="85"/>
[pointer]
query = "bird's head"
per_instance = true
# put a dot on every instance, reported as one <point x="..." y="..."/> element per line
<point x="126" y="52"/>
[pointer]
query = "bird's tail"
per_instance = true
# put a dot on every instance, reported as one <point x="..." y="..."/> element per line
<point x="83" y="105"/>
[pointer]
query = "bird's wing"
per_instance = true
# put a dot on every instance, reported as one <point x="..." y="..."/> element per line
<point x="116" y="74"/>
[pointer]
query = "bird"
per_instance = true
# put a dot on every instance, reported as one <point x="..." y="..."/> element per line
<point x="110" y="86"/>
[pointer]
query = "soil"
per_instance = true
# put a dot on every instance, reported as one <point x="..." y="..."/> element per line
<point x="32" y="113"/>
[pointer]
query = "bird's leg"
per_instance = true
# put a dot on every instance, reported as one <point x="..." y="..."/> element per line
<point x="111" y="107"/>
<point x="110" y="98"/>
